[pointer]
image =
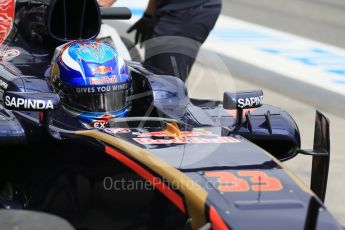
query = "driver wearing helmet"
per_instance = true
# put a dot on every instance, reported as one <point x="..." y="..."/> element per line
<point x="93" y="82"/>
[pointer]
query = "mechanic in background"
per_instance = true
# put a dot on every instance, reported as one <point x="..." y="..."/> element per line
<point x="191" y="19"/>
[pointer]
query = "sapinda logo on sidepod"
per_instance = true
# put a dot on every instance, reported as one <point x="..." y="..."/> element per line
<point x="29" y="104"/>
<point x="249" y="102"/>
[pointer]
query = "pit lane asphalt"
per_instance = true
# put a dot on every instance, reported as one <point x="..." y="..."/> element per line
<point x="205" y="82"/>
<point x="321" y="20"/>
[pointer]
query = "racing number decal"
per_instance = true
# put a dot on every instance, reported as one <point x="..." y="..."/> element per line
<point x="262" y="181"/>
<point x="228" y="182"/>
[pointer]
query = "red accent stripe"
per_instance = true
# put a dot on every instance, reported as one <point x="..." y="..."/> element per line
<point x="41" y="115"/>
<point x="155" y="181"/>
<point x="216" y="220"/>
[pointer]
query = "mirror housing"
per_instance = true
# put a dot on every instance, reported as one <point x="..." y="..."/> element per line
<point x="31" y="101"/>
<point x="241" y="100"/>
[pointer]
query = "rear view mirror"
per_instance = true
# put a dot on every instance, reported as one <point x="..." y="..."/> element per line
<point x="243" y="99"/>
<point x="30" y="101"/>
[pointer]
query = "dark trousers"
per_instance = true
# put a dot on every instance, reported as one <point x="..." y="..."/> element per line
<point x="178" y="36"/>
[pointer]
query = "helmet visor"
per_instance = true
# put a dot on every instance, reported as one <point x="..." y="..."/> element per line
<point x="104" y="102"/>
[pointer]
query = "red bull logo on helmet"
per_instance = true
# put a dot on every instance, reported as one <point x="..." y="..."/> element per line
<point x="103" y="80"/>
<point x="102" y="70"/>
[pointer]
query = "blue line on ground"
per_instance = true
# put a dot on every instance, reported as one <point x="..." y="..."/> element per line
<point x="314" y="57"/>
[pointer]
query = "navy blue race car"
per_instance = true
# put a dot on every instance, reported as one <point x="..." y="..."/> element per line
<point x="91" y="141"/>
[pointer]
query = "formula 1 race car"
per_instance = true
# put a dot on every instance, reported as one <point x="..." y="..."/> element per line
<point x="173" y="163"/>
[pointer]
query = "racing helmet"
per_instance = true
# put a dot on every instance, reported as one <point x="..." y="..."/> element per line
<point x="92" y="80"/>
